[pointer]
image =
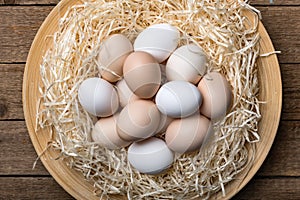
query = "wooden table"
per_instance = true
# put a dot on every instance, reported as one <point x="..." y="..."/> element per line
<point x="278" y="178"/>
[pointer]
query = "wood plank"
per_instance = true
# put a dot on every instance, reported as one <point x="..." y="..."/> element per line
<point x="291" y="86"/>
<point x="17" y="154"/>
<point x="47" y="188"/>
<point x="283" y="158"/>
<point x="275" y="2"/>
<point x="11" y="91"/>
<point x="28" y="2"/>
<point x="20" y="24"/>
<point x="11" y="94"/>
<point x="282" y="24"/>
<point x="31" y="188"/>
<point x="270" y="188"/>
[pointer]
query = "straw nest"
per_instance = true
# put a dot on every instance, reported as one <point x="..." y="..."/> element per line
<point x="231" y="44"/>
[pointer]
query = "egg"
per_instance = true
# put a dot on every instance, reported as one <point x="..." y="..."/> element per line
<point x="125" y="94"/>
<point x="178" y="99"/>
<point x="159" y="40"/>
<point x="151" y="156"/>
<point x="164" y="123"/>
<point x="138" y="120"/>
<point x="112" y="55"/>
<point x="105" y="133"/>
<point x="217" y="95"/>
<point x="187" y="134"/>
<point x="163" y="74"/>
<point x="98" y="97"/>
<point x="186" y="63"/>
<point x="142" y="74"/>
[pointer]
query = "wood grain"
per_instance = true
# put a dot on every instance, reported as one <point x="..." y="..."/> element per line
<point x="17" y="154"/>
<point x="46" y="188"/>
<point x="275" y="2"/>
<point x="18" y="26"/>
<point x="279" y="20"/>
<point x="271" y="188"/>
<point x="283" y="158"/>
<point x="11" y="91"/>
<point x="11" y="102"/>
<point x="291" y="96"/>
<point x="29" y="2"/>
<point x="27" y="188"/>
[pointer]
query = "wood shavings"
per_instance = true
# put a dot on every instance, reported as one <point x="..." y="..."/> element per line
<point x="219" y="28"/>
<point x="270" y="53"/>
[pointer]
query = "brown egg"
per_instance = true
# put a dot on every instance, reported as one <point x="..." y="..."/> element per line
<point x="112" y="55"/>
<point x="142" y="74"/>
<point x="216" y="94"/>
<point x="105" y="133"/>
<point x="138" y="120"/>
<point x="187" y="134"/>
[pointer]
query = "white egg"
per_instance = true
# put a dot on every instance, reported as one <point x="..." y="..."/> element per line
<point x="178" y="99"/>
<point x="151" y="156"/>
<point x="186" y="63"/>
<point x="98" y="97"/>
<point x="159" y="40"/>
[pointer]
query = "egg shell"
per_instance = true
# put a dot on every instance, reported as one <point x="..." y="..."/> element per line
<point x="186" y="63"/>
<point x="178" y="99"/>
<point x="217" y="95"/>
<point x="105" y="133"/>
<point x="125" y="94"/>
<point x="164" y="123"/>
<point x="138" y="120"/>
<point x="151" y="156"/>
<point x="112" y="55"/>
<point x="98" y="97"/>
<point x="159" y="40"/>
<point x="187" y="134"/>
<point x="163" y="74"/>
<point x="142" y="74"/>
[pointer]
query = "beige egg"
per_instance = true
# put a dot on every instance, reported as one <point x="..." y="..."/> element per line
<point x="138" y="120"/>
<point x="217" y="95"/>
<point x="112" y="55"/>
<point x="105" y="133"/>
<point x="142" y="74"/>
<point x="125" y="94"/>
<point x="187" y="134"/>
<point x="187" y="63"/>
<point x="164" y="123"/>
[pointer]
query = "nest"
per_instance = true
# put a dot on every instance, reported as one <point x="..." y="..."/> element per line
<point x="230" y="41"/>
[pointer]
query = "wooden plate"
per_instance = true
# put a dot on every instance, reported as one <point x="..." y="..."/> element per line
<point x="72" y="181"/>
